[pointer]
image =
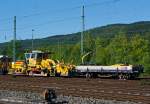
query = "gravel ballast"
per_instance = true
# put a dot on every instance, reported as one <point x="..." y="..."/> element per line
<point x="25" y="97"/>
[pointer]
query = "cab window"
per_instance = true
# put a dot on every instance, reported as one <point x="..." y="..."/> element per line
<point x="39" y="56"/>
<point x="33" y="56"/>
<point x="27" y="56"/>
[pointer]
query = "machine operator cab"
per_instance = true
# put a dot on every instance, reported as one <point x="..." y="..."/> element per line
<point x="38" y="62"/>
<point x="35" y="57"/>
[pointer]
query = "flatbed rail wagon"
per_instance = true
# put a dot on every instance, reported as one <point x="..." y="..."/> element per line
<point x="118" y="70"/>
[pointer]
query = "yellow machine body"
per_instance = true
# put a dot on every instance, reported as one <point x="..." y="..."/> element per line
<point x="38" y="62"/>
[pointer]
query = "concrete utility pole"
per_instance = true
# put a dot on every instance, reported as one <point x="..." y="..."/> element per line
<point x="14" y="41"/>
<point x="83" y="29"/>
<point x="32" y="40"/>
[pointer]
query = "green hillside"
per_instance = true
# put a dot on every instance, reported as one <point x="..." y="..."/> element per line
<point x="108" y="31"/>
<point x="111" y="44"/>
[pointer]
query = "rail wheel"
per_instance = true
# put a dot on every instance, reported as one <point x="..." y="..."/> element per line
<point x="88" y="75"/>
<point x="30" y="73"/>
<point x="42" y="73"/>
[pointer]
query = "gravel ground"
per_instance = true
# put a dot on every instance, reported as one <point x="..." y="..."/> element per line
<point x="80" y="90"/>
<point x="21" y="97"/>
<point x="80" y="100"/>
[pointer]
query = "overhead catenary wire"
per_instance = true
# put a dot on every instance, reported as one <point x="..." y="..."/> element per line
<point x="69" y="9"/>
<point x="102" y="3"/>
<point x="57" y="11"/>
<point x="20" y="28"/>
<point x="47" y="12"/>
<point x="44" y="23"/>
<point x="62" y="10"/>
<point x="41" y="13"/>
<point x="48" y="23"/>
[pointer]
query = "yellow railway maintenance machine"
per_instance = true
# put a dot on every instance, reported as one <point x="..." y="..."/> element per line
<point x="37" y="63"/>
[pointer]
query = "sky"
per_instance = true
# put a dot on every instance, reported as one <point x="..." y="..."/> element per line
<point x="58" y="17"/>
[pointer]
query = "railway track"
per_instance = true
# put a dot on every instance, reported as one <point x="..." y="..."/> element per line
<point x="122" y="90"/>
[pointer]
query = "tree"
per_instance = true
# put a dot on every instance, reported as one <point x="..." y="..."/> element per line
<point x="118" y="49"/>
<point x="75" y="55"/>
<point x="89" y="46"/>
<point x="101" y="56"/>
<point x="140" y="53"/>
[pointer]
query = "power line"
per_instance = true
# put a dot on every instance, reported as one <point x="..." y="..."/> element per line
<point x="102" y="3"/>
<point x="41" y="13"/>
<point x="45" y="23"/>
<point x="50" y="22"/>
<point x="61" y="10"/>
<point x="47" y="12"/>
<point x="70" y="9"/>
